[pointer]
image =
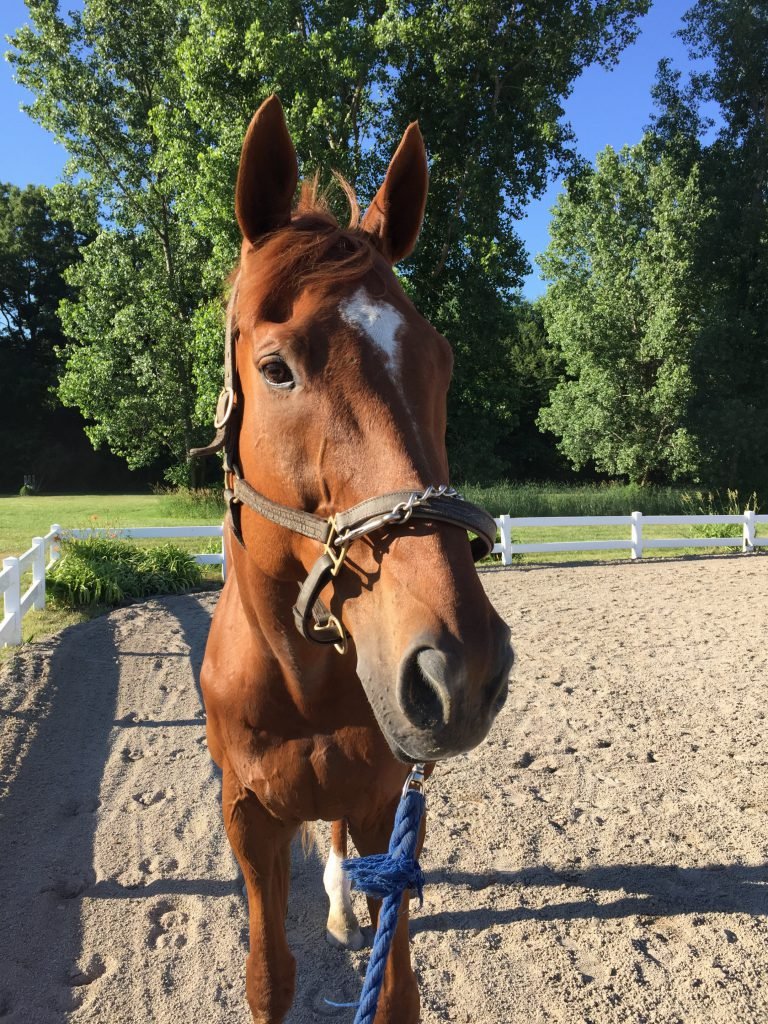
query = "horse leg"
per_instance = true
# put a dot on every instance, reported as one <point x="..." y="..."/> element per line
<point x="342" y="929"/>
<point x="399" y="1001"/>
<point x="261" y="845"/>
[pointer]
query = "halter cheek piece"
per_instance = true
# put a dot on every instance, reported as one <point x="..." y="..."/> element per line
<point x="436" y="504"/>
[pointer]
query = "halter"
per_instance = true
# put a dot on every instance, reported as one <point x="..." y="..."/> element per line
<point x="336" y="533"/>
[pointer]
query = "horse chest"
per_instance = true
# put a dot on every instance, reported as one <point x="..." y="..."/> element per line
<point x="317" y="777"/>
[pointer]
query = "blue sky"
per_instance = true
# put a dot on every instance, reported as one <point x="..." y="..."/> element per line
<point x="605" y="108"/>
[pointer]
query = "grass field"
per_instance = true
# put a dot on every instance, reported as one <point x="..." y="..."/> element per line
<point x="22" y="518"/>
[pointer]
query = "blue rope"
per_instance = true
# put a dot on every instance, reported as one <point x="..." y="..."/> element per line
<point x="386" y="876"/>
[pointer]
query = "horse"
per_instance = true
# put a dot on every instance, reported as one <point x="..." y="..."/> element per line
<point x="332" y="422"/>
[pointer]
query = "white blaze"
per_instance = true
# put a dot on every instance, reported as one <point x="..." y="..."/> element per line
<point x="379" y="321"/>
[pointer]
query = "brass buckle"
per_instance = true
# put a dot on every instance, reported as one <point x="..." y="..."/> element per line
<point x="332" y="623"/>
<point x="337" y="557"/>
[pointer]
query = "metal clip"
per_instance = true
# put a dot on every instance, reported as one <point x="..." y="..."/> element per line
<point x="332" y="623"/>
<point x="334" y="540"/>
<point x="415" y="780"/>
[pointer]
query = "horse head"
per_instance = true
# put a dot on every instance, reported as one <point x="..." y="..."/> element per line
<point x="342" y="391"/>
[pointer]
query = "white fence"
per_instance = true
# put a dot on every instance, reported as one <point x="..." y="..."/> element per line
<point x="45" y="550"/>
<point x="636" y="543"/>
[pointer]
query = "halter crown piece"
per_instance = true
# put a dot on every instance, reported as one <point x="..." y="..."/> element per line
<point x="436" y="503"/>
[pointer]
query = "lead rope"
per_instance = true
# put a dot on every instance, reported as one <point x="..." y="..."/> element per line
<point x="386" y="876"/>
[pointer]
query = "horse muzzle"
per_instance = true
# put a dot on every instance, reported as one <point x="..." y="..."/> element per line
<point x="442" y="705"/>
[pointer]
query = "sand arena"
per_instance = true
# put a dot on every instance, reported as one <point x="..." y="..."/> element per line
<point x="603" y="857"/>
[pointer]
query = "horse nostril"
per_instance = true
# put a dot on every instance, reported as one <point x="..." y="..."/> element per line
<point x="422" y="693"/>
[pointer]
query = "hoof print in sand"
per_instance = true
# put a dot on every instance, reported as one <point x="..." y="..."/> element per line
<point x="67" y="887"/>
<point x="73" y="807"/>
<point x="151" y="798"/>
<point x="129" y="754"/>
<point x="170" y="927"/>
<point x="131" y="718"/>
<point x="87" y="971"/>
<point x="159" y="866"/>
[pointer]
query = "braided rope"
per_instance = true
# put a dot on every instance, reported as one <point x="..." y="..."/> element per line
<point x="386" y="876"/>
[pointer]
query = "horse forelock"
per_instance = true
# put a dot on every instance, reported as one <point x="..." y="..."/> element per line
<point x="312" y="250"/>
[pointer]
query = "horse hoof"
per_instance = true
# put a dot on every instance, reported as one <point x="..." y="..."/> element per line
<point x="345" y="939"/>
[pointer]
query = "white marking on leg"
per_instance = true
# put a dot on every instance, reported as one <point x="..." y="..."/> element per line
<point x="343" y="928"/>
<point x="379" y="321"/>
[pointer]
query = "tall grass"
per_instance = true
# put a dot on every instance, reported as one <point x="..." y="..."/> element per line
<point x="556" y="499"/>
<point x="715" y="503"/>
<point x="520" y="499"/>
<point x="198" y="503"/>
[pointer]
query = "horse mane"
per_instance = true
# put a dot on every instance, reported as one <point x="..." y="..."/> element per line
<point x="313" y="249"/>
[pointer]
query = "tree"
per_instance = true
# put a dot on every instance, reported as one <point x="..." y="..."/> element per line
<point x="152" y="98"/>
<point x="730" y="367"/>
<point x="99" y="76"/>
<point x="487" y="84"/>
<point x="36" y="246"/>
<point x="623" y="308"/>
<point x="536" y="366"/>
<point x="732" y="370"/>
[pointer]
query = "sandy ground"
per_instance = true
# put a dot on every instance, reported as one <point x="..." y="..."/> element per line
<point x="602" y="858"/>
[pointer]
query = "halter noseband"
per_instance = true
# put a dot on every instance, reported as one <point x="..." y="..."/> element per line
<point x="436" y="504"/>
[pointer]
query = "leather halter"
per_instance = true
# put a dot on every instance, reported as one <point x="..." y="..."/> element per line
<point x="436" y="504"/>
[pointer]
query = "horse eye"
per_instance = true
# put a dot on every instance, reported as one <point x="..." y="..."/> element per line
<point x="277" y="374"/>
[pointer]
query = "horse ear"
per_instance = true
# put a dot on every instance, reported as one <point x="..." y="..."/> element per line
<point x="395" y="215"/>
<point x="268" y="173"/>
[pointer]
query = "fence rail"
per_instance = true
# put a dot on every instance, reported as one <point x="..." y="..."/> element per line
<point x="638" y="542"/>
<point x="44" y="551"/>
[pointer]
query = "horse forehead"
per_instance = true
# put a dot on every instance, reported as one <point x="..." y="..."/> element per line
<point x="378" y="320"/>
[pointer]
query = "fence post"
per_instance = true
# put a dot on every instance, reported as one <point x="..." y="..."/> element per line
<point x="55" y="542"/>
<point x="38" y="572"/>
<point x="749" y="531"/>
<point x="506" y="540"/>
<point x="223" y="558"/>
<point x="12" y="599"/>
<point x="637" y="534"/>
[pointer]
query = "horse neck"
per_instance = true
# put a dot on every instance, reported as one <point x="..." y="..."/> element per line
<point x="268" y="606"/>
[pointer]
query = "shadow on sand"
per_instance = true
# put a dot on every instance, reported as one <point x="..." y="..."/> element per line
<point x="646" y="890"/>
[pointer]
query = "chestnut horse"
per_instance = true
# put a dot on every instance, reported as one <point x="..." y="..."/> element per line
<point x="336" y="392"/>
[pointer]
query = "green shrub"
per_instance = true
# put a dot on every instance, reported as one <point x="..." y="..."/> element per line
<point x="102" y="570"/>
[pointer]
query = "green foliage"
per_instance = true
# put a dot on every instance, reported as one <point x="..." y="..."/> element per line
<point x="730" y="367"/>
<point x="131" y="370"/>
<point x="36" y="246"/>
<point x="106" y="571"/>
<point x="624" y="309"/>
<point x="99" y="77"/>
<point x="152" y="99"/>
<point x="732" y="363"/>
